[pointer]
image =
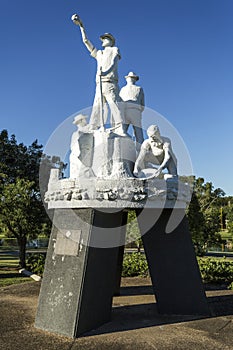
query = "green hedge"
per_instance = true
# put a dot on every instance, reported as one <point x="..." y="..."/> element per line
<point x="134" y="264"/>
<point x="216" y="270"/>
<point x="213" y="270"/>
<point x="35" y="263"/>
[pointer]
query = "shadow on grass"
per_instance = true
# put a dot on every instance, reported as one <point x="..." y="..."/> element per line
<point x="10" y="275"/>
<point x="8" y="258"/>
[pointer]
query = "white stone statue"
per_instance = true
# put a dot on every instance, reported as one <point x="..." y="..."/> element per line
<point x="81" y="149"/>
<point x="155" y="151"/>
<point x="105" y="169"/>
<point x="134" y="104"/>
<point x="107" y="89"/>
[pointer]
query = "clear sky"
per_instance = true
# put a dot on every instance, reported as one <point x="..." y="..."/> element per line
<point x="181" y="49"/>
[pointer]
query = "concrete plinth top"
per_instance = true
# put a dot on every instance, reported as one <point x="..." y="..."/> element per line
<point x="117" y="193"/>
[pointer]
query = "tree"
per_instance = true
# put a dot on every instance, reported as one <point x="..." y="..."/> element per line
<point x="22" y="214"/>
<point x="18" y="160"/>
<point x="204" y="215"/>
<point x="229" y="217"/>
<point x="132" y="231"/>
<point x="196" y="224"/>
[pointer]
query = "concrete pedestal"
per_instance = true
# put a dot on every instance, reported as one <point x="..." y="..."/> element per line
<point x="172" y="263"/>
<point x="120" y="254"/>
<point x="79" y="280"/>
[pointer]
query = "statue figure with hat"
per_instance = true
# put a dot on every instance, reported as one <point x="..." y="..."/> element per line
<point x="81" y="149"/>
<point x="107" y="89"/>
<point x="156" y="151"/>
<point x="134" y="104"/>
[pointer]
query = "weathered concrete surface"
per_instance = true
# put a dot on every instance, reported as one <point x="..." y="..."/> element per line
<point x="135" y="323"/>
<point x="78" y="282"/>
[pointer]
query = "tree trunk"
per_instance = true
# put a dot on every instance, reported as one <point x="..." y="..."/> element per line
<point x="22" y="251"/>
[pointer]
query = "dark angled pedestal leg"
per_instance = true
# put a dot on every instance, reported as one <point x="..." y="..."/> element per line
<point x="121" y="254"/>
<point x="172" y="264"/>
<point x="79" y="280"/>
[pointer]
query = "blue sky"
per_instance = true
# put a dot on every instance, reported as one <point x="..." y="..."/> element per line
<point x="181" y="49"/>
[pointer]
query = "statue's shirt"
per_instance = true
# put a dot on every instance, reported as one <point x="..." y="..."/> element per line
<point x="134" y="95"/>
<point x="107" y="59"/>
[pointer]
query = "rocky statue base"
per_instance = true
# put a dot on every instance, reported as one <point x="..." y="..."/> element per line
<point x="116" y="193"/>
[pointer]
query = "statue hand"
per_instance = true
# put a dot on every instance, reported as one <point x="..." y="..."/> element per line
<point x="76" y="20"/>
<point x="136" y="171"/>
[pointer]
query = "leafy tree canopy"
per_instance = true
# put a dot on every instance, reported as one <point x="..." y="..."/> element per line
<point x="18" y="160"/>
<point x="22" y="214"/>
<point x="204" y="215"/>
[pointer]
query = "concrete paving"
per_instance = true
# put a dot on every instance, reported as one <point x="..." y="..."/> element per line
<point x="135" y="323"/>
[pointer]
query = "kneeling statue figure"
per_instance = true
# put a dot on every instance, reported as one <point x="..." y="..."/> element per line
<point x="155" y="151"/>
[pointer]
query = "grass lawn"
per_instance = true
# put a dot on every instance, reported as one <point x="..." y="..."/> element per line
<point x="8" y="270"/>
<point x="8" y="260"/>
<point x="11" y="276"/>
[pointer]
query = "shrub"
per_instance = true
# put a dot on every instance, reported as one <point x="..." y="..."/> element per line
<point x="214" y="270"/>
<point x="134" y="264"/>
<point x="36" y="262"/>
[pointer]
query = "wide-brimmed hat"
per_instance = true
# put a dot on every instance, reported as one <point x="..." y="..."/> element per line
<point x="132" y="75"/>
<point x="79" y="117"/>
<point x="109" y="36"/>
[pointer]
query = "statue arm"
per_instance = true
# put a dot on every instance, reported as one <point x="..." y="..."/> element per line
<point x="77" y="20"/>
<point x="140" y="161"/>
<point x="86" y="41"/>
<point x="167" y="157"/>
